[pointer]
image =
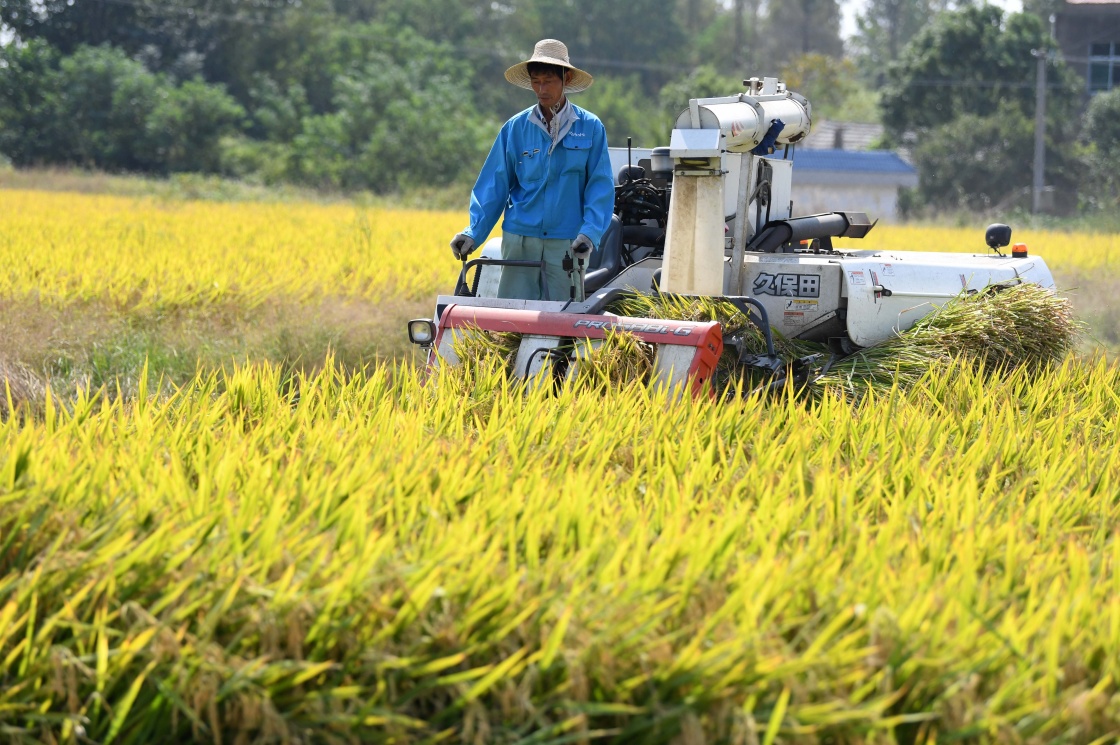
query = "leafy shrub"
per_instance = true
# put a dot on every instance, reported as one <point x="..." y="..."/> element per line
<point x="1101" y="134"/>
<point x="189" y="122"/>
<point x="98" y="108"/>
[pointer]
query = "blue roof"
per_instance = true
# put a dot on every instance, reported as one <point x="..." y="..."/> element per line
<point x="850" y="161"/>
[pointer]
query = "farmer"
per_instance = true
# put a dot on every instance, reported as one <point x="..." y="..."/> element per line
<point x="550" y="172"/>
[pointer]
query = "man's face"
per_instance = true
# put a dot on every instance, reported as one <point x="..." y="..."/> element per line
<point x="549" y="88"/>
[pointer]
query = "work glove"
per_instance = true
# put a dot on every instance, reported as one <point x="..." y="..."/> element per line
<point x="462" y="245"/>
<point x="582" y="247"/>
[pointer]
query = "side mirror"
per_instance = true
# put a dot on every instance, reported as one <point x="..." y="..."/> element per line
<point x="998" y="235"/>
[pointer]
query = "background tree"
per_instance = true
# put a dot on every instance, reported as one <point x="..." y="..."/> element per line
<point x="376" y="94"/>
<point x="883" y="30"/>
<point x="798" y="27"/>
<point x="626" y="111"/>
<point x="974" y="162"/>
<point x="98" y="108"/>
<point x="29" y="128"/>
<point x="66" y="25"/>
<point x="639" y="37"/>
<point x="1101" y="137"/>
<point x="1042" y="8"/>
<point x="962" y="92"/>
<point x="703" y="82"/>
<point x="967" y="62"/>
<point x="827" y="83"/>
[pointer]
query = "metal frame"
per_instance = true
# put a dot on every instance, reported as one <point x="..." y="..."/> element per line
<point x="461" y="284"/>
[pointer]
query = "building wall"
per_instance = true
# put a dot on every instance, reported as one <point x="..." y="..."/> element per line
<point x="878" y="201"/>
<point x="1078" y="27"/>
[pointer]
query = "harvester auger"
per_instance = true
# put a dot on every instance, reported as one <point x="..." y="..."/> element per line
<point x="711" y="216"/>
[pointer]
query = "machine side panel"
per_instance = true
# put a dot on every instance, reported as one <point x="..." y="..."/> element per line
<point x="918" y="284"/>
<point x="1031" y="270"/>
<point x="799" y="293"/>
<point x="781" y="189"/>
<point x="638" y="277"/>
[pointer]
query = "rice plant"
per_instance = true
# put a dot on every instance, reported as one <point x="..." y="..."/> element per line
<point x="383" y="560"/>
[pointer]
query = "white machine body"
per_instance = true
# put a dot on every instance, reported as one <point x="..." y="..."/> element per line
<point x="864" y="297"/>
<point x="871" y="296"/>
<point x="712" y="143"/>
<point x="745" y="118"/>
<point x="694" y="233"/>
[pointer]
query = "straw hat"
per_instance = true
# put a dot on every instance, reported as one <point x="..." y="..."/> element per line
<point x="549" y="52"/>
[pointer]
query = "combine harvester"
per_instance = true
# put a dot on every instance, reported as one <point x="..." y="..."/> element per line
<point x="713" y="217"/>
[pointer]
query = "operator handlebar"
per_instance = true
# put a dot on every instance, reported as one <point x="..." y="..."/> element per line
<point x="461" y="289"/>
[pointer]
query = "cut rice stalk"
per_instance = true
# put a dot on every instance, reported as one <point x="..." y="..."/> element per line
<point x="619" y="359"/>
<point x="1000" y="328"/>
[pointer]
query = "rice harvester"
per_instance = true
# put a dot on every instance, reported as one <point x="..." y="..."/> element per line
<point x="712" y="215"/>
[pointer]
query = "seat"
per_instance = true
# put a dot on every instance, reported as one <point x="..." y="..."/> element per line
<point x="606" y="260"/>
<point x="626" y="174"/>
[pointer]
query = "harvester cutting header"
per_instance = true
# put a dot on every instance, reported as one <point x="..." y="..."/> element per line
<point x="712" y="216"/>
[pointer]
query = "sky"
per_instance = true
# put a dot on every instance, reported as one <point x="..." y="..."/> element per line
<point x="849" y="9"/>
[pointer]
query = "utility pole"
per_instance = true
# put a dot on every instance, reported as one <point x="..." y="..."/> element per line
<point x="1039" y="185"/>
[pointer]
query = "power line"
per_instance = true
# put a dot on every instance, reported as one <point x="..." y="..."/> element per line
<point x="950" y="83"/>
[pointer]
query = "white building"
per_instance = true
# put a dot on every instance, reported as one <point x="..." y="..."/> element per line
<point x="850" y="180"/>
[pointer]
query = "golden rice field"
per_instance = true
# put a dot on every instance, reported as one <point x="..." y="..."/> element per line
<point x="152" y="253"/>
<point x="148" y="253"/>
<point x="258" y="554"/>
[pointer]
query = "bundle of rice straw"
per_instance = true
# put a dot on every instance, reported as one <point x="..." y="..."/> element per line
<point x="999" y="328"/>
<point x="19" y="387"/>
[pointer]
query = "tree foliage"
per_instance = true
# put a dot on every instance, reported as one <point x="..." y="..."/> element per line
<point x="1101" y="136"/>
<point x="798" y="27"/>
<point x="99" y="108"/>
<point x="975" y="162"/>
<point x="969" y="62"/>
<point x="395" y="120"/>
<point x="361" y="93"/>
<point x="826" y="82"/>
<point x="883" y="30"/>
<point x="963" y="94"/>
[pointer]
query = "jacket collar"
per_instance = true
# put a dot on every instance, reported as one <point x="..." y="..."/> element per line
<point x="561" y="124"/>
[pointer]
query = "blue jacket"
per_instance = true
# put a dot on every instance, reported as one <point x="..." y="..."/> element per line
<point x="545" y="195"/>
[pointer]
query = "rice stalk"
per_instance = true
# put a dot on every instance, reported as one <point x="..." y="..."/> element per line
<point x="380" y="561"/>
<point x="19" y="387"/>
<point x="475" y="346"/>
<point x="1000" y="328"/>
<point x="619" y="359"/>
<point x="736" y="326"/>
<point x="739" y="333"/>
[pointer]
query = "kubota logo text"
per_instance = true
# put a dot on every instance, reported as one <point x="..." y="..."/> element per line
<point x="788" y="285"/>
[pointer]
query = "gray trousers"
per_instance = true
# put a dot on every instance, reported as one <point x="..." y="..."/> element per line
<point x="524" y="283"/>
